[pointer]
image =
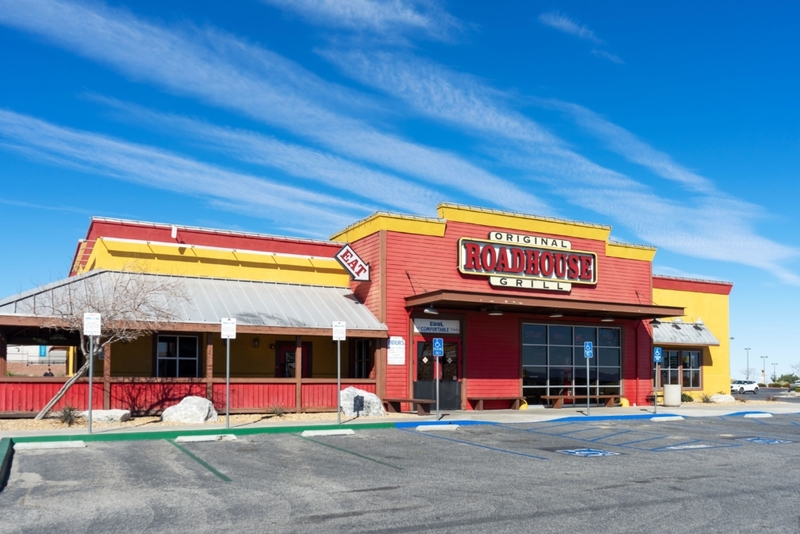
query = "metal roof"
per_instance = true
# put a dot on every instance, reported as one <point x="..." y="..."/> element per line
<point x="678" y="333"/>
<point x="252" y="303"/>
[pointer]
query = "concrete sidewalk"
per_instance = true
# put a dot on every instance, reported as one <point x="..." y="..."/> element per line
<point x="533" y="415"/>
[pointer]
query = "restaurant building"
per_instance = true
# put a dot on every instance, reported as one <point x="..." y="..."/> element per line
<point x="514" y="298"/>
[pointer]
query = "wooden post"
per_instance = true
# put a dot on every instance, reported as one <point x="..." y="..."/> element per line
<point x="298" y="373"/>
<point x="210" y="366"/>
<point x="107" y="377"/>
<point x="379" y="362"/>
<point x="3" y="355"/>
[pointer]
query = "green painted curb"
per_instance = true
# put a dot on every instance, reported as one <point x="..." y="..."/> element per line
<point x="172" y="434"/>
<point x="6" y="453"/>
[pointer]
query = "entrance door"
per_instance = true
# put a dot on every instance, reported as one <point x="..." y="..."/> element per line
<point x="448" y="372"/>
<point x="285" y="364"/>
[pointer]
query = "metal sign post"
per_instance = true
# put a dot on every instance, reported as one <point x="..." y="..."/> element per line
<point x="339" y="335"/>
<point x="657" y="359"/>
<point x="92" y="326"/>
<point x="228" y="333"/>
<point x="438" y="352"/>
<point x="588" y="353"/>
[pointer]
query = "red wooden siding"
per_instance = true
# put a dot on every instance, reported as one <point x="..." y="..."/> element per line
<point x="32" y="396"/>
<point x="255" y="396"/>
<point x="324" y="395"/>
<point x="492" y="356"/>
<point x="145" y="396"/>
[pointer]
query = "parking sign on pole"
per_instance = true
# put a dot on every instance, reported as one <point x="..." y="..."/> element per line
<point x="228" y="332"/>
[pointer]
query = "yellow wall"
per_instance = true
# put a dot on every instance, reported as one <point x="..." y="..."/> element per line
<point x="134" y="358"/>
<point x="251" y="362"/>
<point x="713" y="310"/>
<point x="215" y="263"/>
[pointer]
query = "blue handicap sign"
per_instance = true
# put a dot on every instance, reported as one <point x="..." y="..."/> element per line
<point x="765" y="441"/>
<point x="657" y="354"/>
<point x="42" y="351"/>
<point x="438" y="347"/>
<point x="588" y="453"/>
<point x="588" y="350"/>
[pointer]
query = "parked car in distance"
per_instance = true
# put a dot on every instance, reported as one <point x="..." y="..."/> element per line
<point x="794" y="385"/>
<point x="741" y="386"/>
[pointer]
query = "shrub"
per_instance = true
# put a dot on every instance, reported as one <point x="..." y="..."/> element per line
<point x="704" y="398"/>
<point x="68" y="415"/>
<point x="277" y="410"/>
<point x="685" y="397"/>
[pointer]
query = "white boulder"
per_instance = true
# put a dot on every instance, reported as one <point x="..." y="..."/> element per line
<point x="372" y="403"/>
<point x="722" y="398"/>
<point x="190" y="410"/>
<point x="107" y="416"/>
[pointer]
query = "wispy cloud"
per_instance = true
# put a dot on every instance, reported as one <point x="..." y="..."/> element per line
<point x="387" y="19"/>
<point x="705" y="223"/>
<point x="608" y="55"/>
<point x="567" y="25"/>
<point x="231" y="74"/>
<point x="160" y="169"/>
<point x="327" y="169"/>
<point x="628" y="145"/>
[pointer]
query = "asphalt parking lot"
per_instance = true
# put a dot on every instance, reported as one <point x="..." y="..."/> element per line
<point x="710" y="474"/>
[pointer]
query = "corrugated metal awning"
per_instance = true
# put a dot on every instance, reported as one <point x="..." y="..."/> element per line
<point x="257" y="306"/>
<point x="678" y="333"/>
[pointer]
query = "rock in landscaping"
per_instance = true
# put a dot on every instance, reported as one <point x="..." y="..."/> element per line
<point x="107" y="416"/>
<point x="195" y="410"/>
<point x="722" y="398"/>
<point x="372" y="403"/>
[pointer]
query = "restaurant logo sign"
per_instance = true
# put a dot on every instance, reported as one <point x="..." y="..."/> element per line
<point x="526" y="262"/>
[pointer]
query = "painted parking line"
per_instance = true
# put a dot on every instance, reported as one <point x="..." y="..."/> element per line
<point x="353" y="453"/>
<point x="601" y="438"/>
<point x="478" y="445"/>
<point x="199" y="460"/>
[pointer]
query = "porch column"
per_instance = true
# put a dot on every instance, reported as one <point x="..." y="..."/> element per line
<point x="210" y="366"/>
<point x="379" y="360"/>
<point x="298" y="373"/>
<point x="107" y="377"/>
<point x="3" y="355"/>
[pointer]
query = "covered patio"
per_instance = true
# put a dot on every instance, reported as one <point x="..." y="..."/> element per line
<point x="282" y="358"/>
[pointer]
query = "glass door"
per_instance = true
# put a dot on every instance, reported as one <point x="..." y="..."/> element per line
<point x="447" y="369"/>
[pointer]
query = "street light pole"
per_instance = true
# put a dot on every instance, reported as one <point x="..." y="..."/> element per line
<point x="747" y="369"/>
<point x="774" y="371"/>
<point x="764" y="368"/>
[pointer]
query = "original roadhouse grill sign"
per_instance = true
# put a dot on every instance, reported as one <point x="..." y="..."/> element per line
<point x="526" y="262"/>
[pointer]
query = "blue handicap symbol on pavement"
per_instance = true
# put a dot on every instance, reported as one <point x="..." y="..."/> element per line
<point x="765" y="441"/>
<point x="438" y="347"/>
<point x="588" y="453"/>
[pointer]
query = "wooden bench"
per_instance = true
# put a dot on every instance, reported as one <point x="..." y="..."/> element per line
<point x="423" y="405"/>
<point x="611" y="400"/>
<point x="515" y="401"/>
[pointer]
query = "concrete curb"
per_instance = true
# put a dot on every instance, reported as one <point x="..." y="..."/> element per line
<point x="6" y="454"/>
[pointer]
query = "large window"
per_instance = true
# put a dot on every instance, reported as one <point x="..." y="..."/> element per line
<point x="680" y="367"/>
<point x="553" y="361"/>
<point x="177" y="357"/>
<point x="362" y="359"/>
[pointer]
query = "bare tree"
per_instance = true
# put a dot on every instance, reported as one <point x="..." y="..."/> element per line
<point x="131" y="305"/>
<point x="748" y="372"/>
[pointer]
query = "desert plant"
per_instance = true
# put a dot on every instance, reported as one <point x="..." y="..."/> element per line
<point x="704" y="398"/>
<point x="68" y="415"/>
<point x="770" y="398"/>
<point x="277" y="410"/>
<point x="685" y="397"/>
<point x="741" y="398"/>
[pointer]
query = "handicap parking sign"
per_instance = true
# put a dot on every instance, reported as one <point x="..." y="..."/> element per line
<point x="438" y="347"/>
<point x="657" y="354"/>
<point x="588" y="453"/>
<point x="588" y="350"/>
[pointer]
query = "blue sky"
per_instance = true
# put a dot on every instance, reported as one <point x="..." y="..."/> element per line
<point x="675" y="122"/>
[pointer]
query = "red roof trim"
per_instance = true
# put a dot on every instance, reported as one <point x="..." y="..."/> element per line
<point x="692" y="285"/>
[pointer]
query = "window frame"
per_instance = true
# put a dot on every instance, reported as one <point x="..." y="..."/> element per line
<point x="679" y="370"/>
<point x="177" y="359"/>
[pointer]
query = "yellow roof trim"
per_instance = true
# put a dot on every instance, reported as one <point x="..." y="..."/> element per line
<point x="630" y="252"/>
<point x="406" y="224"/>
<point x="523" y="222"/>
